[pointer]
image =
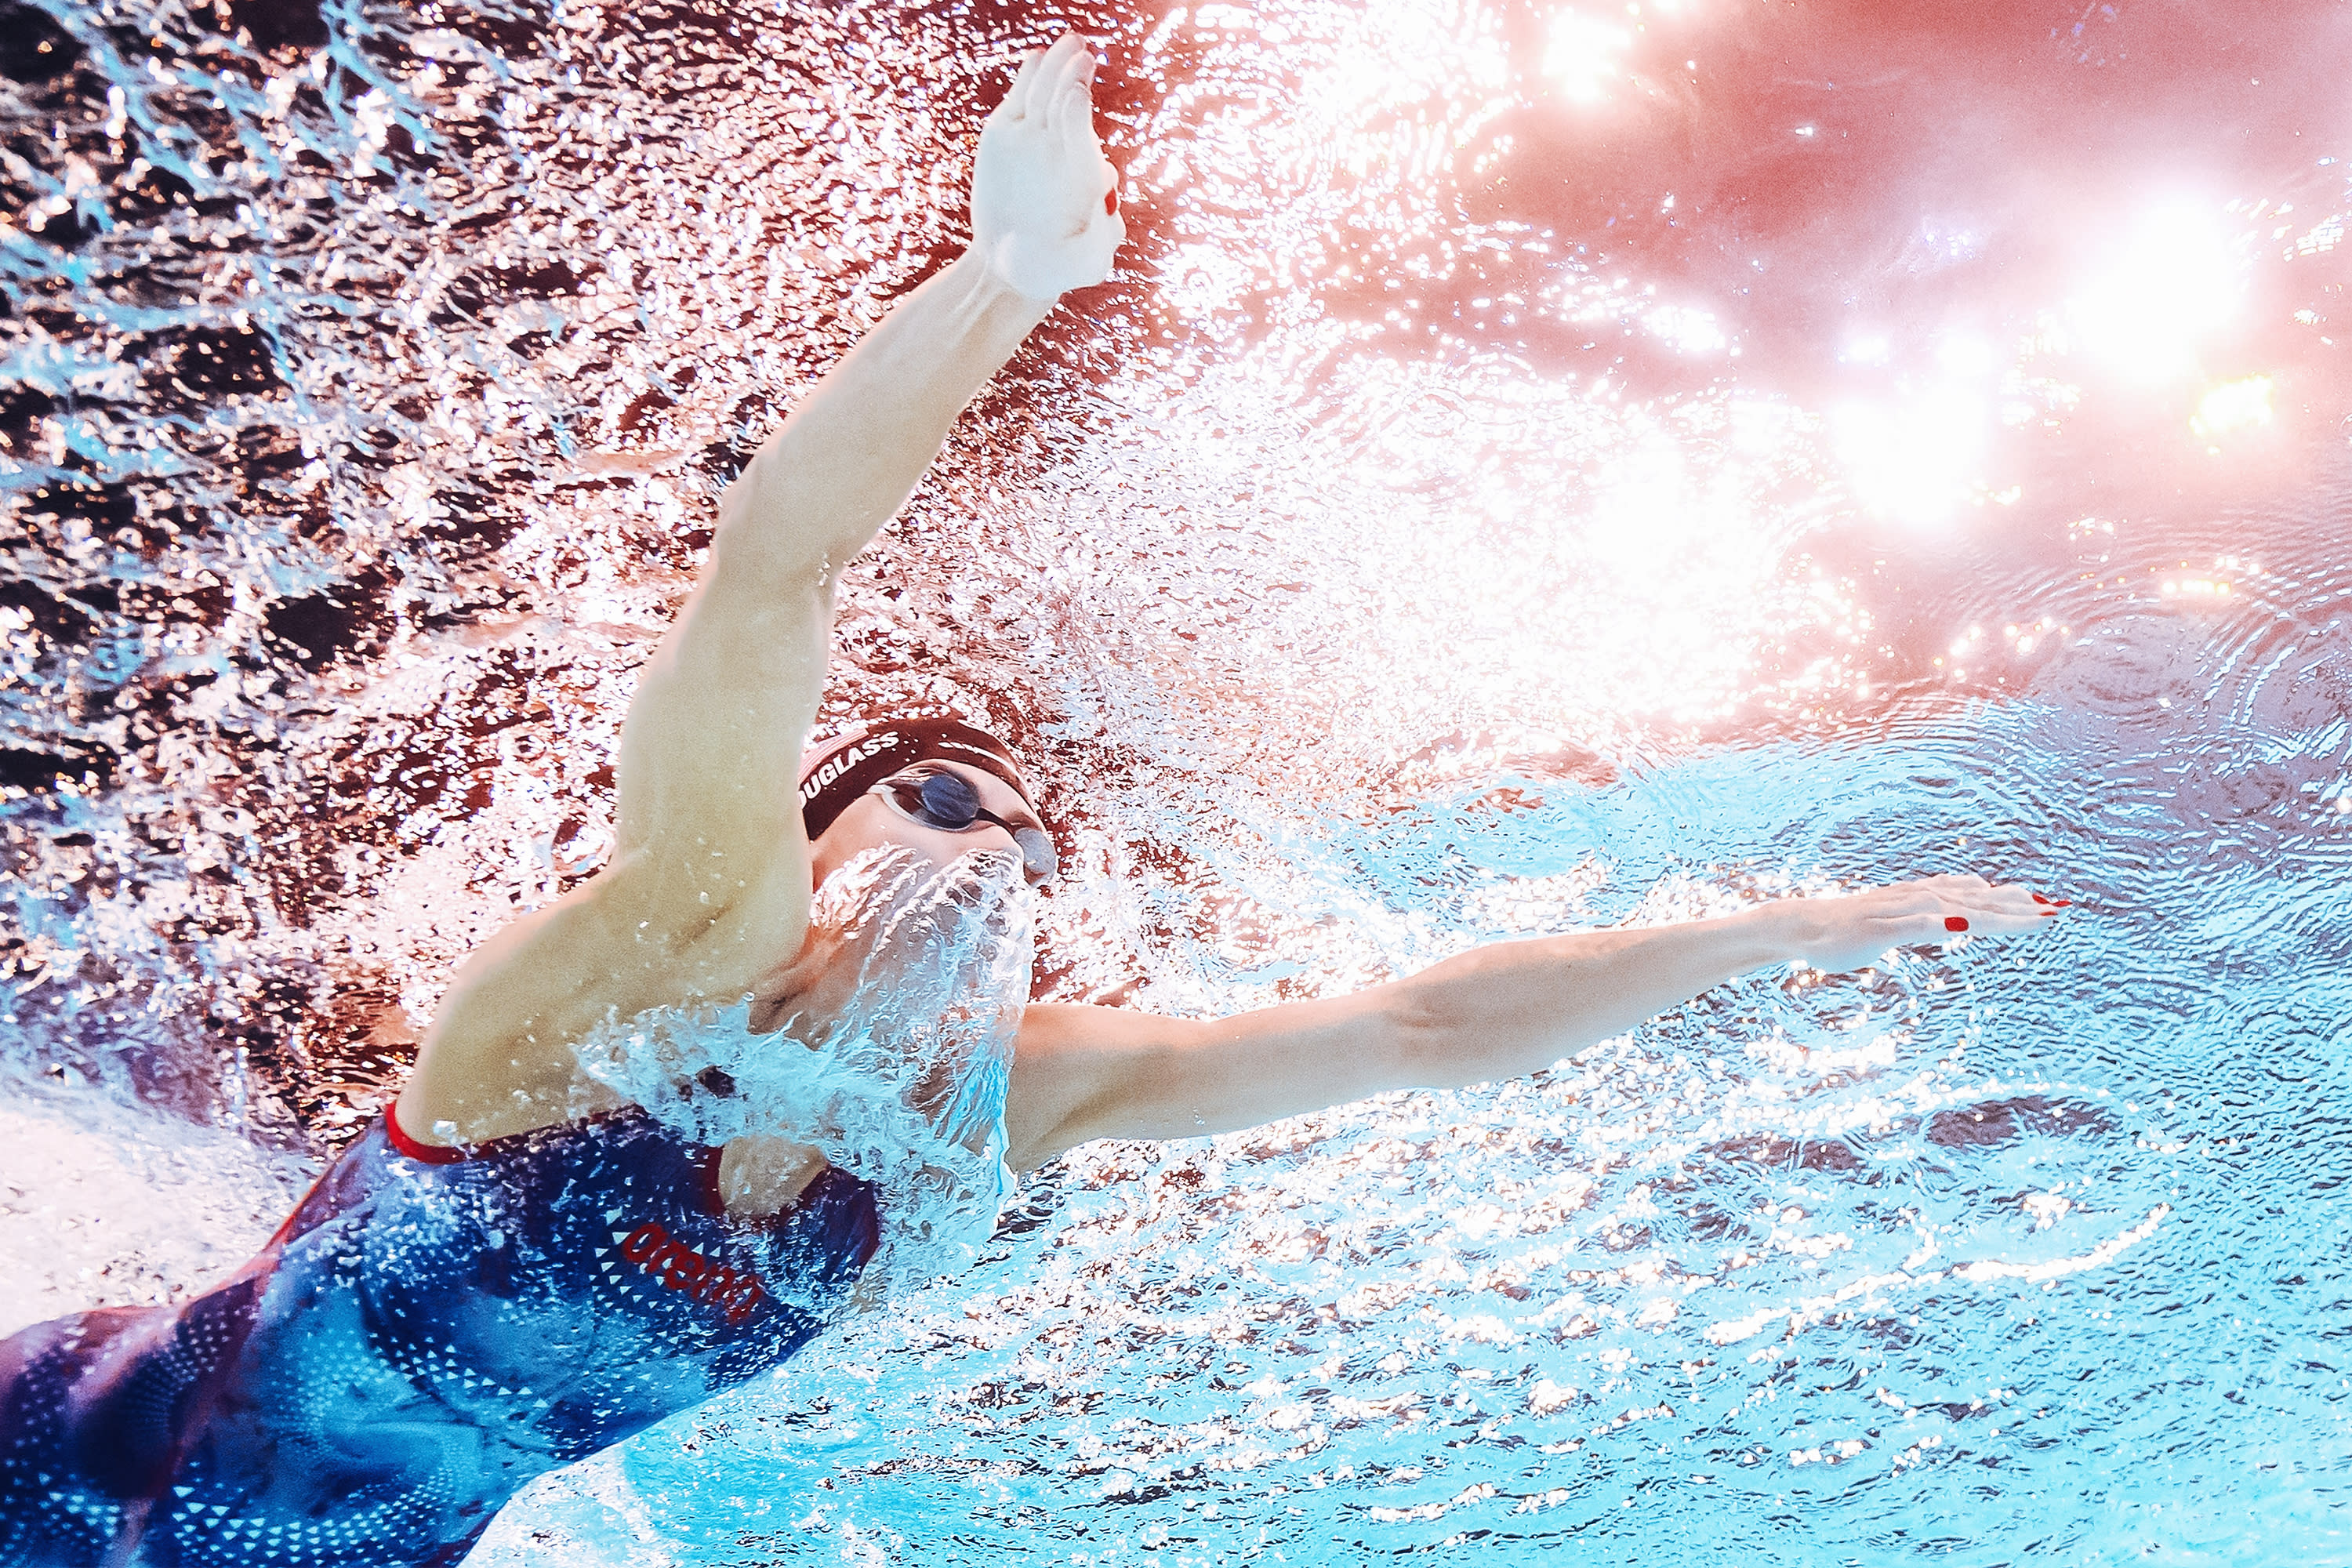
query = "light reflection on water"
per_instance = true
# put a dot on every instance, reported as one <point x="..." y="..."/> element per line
<point x="1522" y="480"/>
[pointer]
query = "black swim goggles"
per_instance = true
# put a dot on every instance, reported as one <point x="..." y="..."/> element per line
<point x="944" y="799"/>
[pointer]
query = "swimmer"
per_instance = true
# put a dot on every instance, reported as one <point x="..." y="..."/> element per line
<point x="518" y="1266"/>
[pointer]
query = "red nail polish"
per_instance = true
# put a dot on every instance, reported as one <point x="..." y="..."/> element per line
<point x="2040" y="899"/>
<point x="1110" y="202"/>
<point x="1954" y="922"/>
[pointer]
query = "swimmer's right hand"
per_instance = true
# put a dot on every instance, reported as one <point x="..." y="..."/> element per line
<point x="1045" y="200"/>
<point x="1841" y="935"/>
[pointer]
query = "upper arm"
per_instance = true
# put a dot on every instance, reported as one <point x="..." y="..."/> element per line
<point x="709" y="754"/>
<point x="707" y="886"/>
<point x="1082" y="1073"/>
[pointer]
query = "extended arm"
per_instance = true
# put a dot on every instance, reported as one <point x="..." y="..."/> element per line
<point x="1081" y="1073"/>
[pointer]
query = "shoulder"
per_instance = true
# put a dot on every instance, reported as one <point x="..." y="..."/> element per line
<point x="501" y="1055"/>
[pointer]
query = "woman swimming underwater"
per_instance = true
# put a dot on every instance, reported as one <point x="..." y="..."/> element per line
<point x="571" y="1224"/>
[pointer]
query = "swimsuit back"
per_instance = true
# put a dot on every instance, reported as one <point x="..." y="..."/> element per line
<point x="427" y="1332"/>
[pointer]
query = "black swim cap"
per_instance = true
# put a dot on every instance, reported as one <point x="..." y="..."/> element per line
<point x="837" y="773"/>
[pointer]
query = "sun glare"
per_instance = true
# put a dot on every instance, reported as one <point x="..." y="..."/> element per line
<point x="1915" y="459"/>
<point x="2171" y="281"/>
<point x="1686" y="331"/>
<point x="1585" y="58"/>
<point x="2234" y="407"/>
<point x="1868" y="348"/>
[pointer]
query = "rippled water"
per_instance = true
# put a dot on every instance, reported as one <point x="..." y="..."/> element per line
<point x="1538" y="467"/>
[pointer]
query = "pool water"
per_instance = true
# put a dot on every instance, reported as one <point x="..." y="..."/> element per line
<point x="1538" y="467"/>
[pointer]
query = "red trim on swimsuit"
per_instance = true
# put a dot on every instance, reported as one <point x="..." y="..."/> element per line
<point x="404" y="1142"/>
<point x="706" y="1169"/>
<point x="431" y="1153"/>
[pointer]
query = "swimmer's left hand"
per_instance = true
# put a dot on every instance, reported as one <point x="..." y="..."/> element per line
<point x="1845" y="934"/>
<point x="1045" y="200"/>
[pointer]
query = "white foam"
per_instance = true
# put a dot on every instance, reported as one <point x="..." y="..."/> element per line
<point x="105" y="1205"/>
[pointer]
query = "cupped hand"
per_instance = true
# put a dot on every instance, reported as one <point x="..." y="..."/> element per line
<point x="1045" y="200"/>
<point x="1844" y="933"/>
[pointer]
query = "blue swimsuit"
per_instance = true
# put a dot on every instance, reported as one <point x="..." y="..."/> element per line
<point x="428" y="1331"/>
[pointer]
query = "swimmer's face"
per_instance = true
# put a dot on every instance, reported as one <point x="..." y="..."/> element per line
<point x="868" y="824"/>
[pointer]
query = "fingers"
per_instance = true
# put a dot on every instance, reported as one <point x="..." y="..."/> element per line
<point x="1050" y="86"/>
<point x="1934" y="911"/>
<point x="1019" y="97"/>
<point x="2007" y="911"/>
<point x="1069" y="107"/>
<point x="1967" y="892"/>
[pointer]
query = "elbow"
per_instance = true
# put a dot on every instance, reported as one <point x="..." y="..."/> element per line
<point x="770" y="556"/>
<point x="754" y="489"/>
<point x="1453" y="1026"/>
<point x="763" y="529"/>
<point x="1423" y="1036"/>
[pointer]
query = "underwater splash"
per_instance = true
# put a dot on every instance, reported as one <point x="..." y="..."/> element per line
<point x="895" y="1074"/>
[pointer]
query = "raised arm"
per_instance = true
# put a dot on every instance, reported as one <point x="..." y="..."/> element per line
<point x="1080" y="1073"/>
<point x="708" y="883"/>
<point x="711" y="746"/>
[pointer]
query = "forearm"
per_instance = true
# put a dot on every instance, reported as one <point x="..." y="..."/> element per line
<point x="1497" y="1013"/>
<point x="845" y="460"/>
<point x="1517" y="1007"/>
